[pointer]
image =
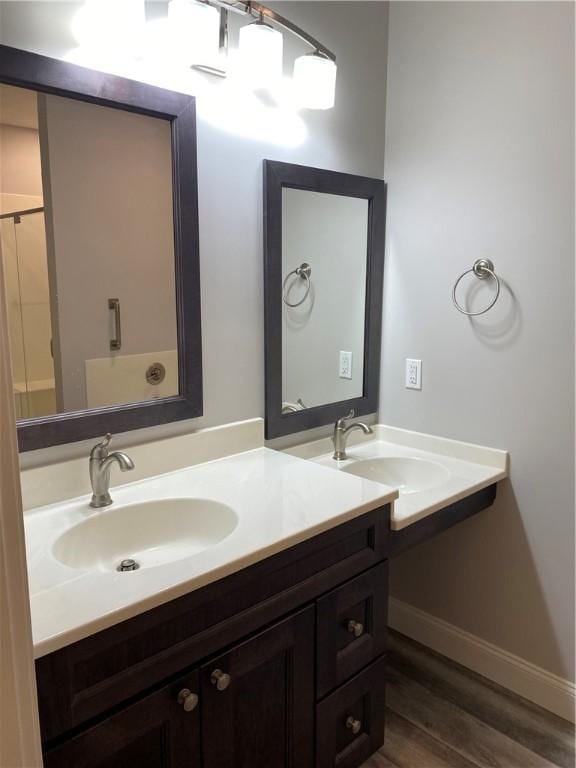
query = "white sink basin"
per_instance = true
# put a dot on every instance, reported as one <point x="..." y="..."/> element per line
<point x="408" y="474"/>
<point x="151" y="533"/>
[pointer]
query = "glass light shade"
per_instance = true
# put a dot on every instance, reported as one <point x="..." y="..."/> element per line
<point x="101" y="23"/>
<point x="315" y="81"/>
<point x="260" y="54"/>
<point x="194" y="31"/>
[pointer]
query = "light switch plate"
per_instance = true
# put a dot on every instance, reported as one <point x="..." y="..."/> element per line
<point x="413" y="374"/>
<point x="345" y="369"/>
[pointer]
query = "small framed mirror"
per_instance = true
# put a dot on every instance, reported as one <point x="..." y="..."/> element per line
<point x="99" y="250"/>
<point x="323" y="282"/>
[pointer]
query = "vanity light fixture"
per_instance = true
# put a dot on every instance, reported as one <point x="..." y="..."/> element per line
<point x="194" y="30"/>
<point x="195" y="35"/>
<point x="119" y="23"/>
<point x="315" y="81"/>
<point x="260" y="54"/>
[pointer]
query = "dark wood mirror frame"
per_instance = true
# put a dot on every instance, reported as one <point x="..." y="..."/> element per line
<point x="46" y="75"/>
<point x="277" y="176"/>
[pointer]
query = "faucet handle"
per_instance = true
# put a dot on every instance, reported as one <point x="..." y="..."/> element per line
<point x="342" y="419"/>
<point x="100" y="450"/>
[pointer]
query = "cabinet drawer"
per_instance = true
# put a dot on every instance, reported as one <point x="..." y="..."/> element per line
<point x="350" y="722"/>
<point x="352" y="623"/>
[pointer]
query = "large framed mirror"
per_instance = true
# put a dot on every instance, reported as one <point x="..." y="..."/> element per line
<point x="99" y="250"/>
<point x="323" y="282"/>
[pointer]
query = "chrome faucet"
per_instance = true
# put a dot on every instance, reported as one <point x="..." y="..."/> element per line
<point x="341" y="432"/>
<point x="100" y="464"/>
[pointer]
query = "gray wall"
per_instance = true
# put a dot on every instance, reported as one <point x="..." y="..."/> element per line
<point x="234" y="135"/>
<point x="480" y="163"/>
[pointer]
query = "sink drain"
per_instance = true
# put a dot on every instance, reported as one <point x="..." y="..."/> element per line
<point x="128" y="565"/>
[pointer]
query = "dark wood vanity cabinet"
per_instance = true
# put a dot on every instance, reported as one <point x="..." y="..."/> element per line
<point x="278" y="666"/>
<point x="281" y="665"/>
<point x="257" y="710"/>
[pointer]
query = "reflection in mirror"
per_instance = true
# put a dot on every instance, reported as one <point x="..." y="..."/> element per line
<point x="87" y="248"/>
<point x="324" y="302"/>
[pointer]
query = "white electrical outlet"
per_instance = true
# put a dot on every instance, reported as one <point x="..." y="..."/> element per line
<point x="345" y="369"/>
<point x="413" y="374"/>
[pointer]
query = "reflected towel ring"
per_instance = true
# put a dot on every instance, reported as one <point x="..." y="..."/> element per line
<point x="303" y="271"/>
<point x="482" y="268"/>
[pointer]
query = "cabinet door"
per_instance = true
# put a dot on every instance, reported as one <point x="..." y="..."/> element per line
<point x="258" y="700"/>
<point x="161" y="730"/>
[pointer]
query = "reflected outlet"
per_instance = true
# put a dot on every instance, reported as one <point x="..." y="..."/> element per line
<point x="345" y="369"/>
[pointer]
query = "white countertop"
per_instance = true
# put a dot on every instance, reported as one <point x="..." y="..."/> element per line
<point x="466" y="468"/>
<point x="280" y="501"/>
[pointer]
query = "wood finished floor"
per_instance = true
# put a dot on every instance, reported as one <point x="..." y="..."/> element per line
<point x="441" y="715"/>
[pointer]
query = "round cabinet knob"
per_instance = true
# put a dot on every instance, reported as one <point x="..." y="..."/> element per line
<point x="220" y="679"/>
<point x="355" y="628"/>
<point x="353" y="725"/>
<point x="187" y="700"/>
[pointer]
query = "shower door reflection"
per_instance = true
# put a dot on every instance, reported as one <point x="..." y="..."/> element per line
<point x="24" y="259"/>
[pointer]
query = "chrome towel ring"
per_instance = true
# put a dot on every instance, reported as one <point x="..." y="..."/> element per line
<point x="303" y="271"/>
<point x="482" y="268"/>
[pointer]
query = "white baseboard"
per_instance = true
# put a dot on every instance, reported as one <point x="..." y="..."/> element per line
<point x="512" y="672"/>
